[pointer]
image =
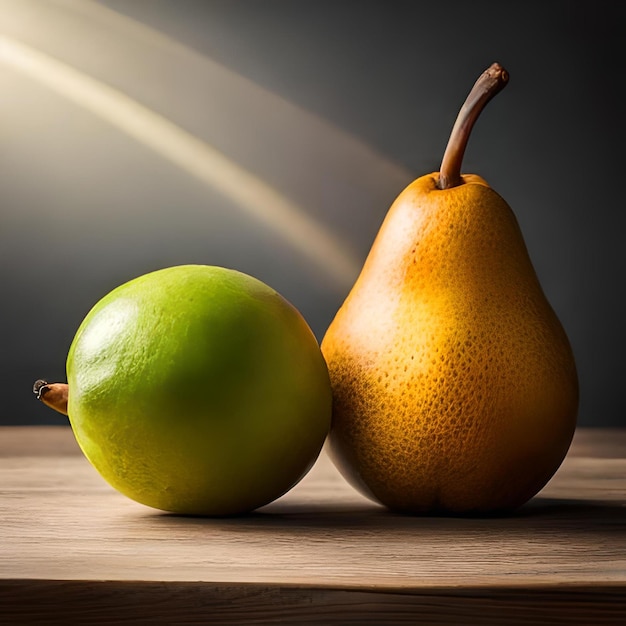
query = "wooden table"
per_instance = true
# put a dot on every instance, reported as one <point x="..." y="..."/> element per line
<point x="72" y="550"/>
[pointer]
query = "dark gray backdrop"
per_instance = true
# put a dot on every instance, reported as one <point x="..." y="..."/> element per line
<point x="357" y="97"/>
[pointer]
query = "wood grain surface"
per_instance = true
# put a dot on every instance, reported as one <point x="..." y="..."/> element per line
<point x="72" y="550"/>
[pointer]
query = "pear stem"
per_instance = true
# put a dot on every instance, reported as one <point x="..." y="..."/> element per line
<point x="489" y="83"/>
<point x="53" y="395"/>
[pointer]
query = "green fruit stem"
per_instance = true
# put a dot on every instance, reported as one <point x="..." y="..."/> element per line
<point x="489" y="83"/>
<point x="53" y="395"/>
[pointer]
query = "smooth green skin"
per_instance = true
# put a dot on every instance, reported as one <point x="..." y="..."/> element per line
<point x="198" y="390"/>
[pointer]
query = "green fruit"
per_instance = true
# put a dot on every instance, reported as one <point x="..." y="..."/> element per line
<point x="198" y="390"/>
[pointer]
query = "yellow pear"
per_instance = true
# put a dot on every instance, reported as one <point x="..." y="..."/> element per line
<point x="455" y="387"/>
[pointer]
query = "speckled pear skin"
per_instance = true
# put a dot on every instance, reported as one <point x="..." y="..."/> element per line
<point x="455" y="387"/>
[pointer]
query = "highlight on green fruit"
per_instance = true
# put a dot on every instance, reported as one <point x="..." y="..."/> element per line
<point x="196" y="390"/>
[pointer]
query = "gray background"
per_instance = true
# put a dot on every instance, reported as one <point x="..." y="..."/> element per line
<point x="335" y="104"/>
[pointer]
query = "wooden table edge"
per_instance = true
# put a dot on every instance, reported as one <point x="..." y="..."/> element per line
<point x="35" y="601"/>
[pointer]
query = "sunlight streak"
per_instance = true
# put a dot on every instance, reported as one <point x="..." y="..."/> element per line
<point x="249" y="192"/>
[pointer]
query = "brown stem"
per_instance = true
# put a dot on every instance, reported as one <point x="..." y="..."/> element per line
<point x="489" y="83"/>
<point x="53" y="395"/>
